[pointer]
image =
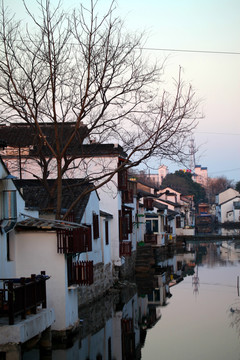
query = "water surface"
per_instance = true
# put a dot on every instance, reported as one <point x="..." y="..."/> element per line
<point x="187" y="307"/>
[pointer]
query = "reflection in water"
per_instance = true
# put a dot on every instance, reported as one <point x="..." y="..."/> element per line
<point x="172" y="312"/>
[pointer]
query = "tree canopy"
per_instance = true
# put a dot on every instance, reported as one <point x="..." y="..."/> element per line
<point x="182" y="182"/>
<point x="217" y="185"/>
<point x="237" y="186"/>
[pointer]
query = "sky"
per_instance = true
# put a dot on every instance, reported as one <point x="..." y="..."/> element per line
<point x="203" y="37"/>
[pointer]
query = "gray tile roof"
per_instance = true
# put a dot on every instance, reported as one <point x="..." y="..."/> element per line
<point x="24" y="135"/>
<point x="36" y="196"/>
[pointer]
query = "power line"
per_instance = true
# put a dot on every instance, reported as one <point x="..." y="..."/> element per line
<point x="192" y="51"/>
<point x="215" y="133"/>
<point x="170" y="49"/>
<point x="223" y="171"/>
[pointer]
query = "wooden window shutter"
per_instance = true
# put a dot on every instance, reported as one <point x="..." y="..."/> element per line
<point x="123" y="227"/>
<point x="148" y="203"/>
<point x="122" y="178"/>
<point x="129" y="221"/>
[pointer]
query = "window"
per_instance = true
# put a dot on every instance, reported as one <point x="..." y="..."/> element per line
<point x="178" y="222"/>
<point x="148" y="203"/>
<point x="127" y="196"/>
<point x="8" y="247"/>
<point x="109" y="348"/>
<point x="95" y="226"/>
<point x="2" y="355"/>
<point x="122" y="178"/>
<point x="125" y="224"/>
<point x="151" y="226"/>
<point x="9" y="210"/>
<point x="9" y="205"/>
<point x="155" y="225"/>
<point x="106" y="233"/>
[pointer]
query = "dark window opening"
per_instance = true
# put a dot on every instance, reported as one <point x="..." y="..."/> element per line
<point x="95" y="226"/>
<point x="109" y="349"/>
<point x="106" y="233"/>
<point x="2" y="355"/>
<point x="8" y="249"/>
<point x="178" y="222"/>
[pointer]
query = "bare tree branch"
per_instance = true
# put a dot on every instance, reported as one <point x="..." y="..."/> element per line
<point x="81" y="68"/>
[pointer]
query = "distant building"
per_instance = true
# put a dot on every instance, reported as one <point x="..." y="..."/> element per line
<point x="158" y="178"/>
<point x="200" y="175"/>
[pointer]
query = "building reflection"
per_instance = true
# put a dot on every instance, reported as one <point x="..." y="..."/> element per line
<point x="116" y="326"/>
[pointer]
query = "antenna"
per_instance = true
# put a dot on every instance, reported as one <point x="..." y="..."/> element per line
<point x="192" y="148"/>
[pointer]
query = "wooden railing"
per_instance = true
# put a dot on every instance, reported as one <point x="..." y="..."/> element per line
<point x="80" y="273"/>
<point x="150" y="238"/>
<point x="23" y="295"/>
<point x="125" y="248"/>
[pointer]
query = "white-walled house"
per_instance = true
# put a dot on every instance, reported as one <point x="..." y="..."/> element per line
<point x="12" y="206"/>
<point x="181" y="209"/>
<point x="225" y="195"/>
<point x="227" y="204"/>
<point x="155" y="215"/>
<point x="36" y="246"/>
<point x="117" y="198"/>
<point x="229" y="210"/>
<point x="84" y="251"/>
<point x="12" y="210"/>
<point x="91" y="160"/>
<point x="155" y="220"/>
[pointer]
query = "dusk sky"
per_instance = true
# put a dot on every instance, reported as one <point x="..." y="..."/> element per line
<point x="211" y="29"/>
<point x="203" y="37"/>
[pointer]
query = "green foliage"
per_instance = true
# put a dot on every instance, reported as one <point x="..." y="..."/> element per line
<point x="182" y="182"/>
<point x="237" y="187"/>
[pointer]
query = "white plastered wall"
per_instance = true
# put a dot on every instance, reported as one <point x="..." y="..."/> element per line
<point x="37" y="251"/>
<point x="7" y="265"/>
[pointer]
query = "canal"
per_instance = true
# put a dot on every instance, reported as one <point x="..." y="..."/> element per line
<point x="187" y="306"/>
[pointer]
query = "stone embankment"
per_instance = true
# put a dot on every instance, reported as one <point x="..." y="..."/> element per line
<point x="144" y="268"/>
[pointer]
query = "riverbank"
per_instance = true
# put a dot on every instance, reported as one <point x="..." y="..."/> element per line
<point x="208" y="237"/>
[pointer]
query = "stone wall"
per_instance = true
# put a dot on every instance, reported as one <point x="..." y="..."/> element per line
<point x="102" y="281"/>
<point x="127" y="270"/>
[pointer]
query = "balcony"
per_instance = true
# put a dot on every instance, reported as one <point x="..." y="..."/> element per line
<point x="80" y="272"/>
<point x="22" y="296"/>
<point x="73" y="241"/>
<point x="150" y="238"/>
<point x="125" y="248"/>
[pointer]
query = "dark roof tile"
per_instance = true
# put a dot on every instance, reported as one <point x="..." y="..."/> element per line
<point x="36" y="196"/>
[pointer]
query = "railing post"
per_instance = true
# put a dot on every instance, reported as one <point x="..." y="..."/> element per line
<point x="10" y="303"/>
<point x="43" y="287"/>
<point x="24" y="297"/>
<point x="34" y="285"/>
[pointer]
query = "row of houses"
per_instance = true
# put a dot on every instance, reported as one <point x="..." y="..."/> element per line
<point x="68" y="263"/>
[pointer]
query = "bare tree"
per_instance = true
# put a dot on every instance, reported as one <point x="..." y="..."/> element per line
<point x="82" y="69"/>
<point x="217" y="185"/>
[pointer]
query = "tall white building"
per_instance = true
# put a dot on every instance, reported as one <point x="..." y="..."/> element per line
<point x="200" y="175"/>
